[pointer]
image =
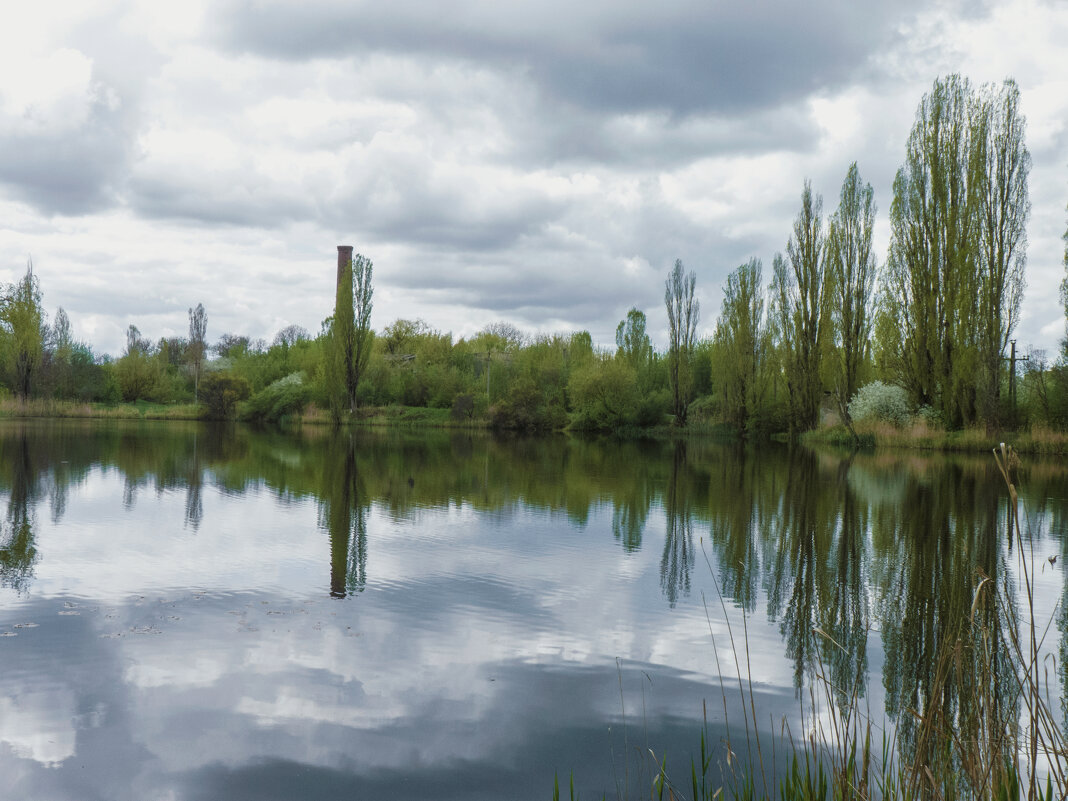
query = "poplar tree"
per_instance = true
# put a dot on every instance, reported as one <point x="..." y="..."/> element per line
<point x="801" y="300"/>
<point x="683" y="311"/>
<point x="1004" y="209"/>
<point x="351" y="336"/>
<point x="851" y="270"/>
<point x="955" y="271"/>
<point x="742" y="345"/>
<point x="198" y="329"/>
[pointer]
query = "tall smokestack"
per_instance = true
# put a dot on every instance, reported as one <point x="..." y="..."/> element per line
<point x="344" y="256"/>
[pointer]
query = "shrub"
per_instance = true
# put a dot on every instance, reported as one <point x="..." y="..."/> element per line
<point x="604" y="395"/>
<point x="220" y="393"/>
<point x="878" y="401"/>
<point x="284" y="397"/>
<point x="463" y="406"/>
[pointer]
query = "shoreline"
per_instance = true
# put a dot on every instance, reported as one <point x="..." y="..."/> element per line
<point x="918" y="436"/>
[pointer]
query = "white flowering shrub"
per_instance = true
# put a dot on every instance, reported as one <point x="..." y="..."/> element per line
<point x="879" y="401"/>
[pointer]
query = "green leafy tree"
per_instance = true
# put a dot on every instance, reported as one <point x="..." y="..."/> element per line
<point x="683" y="311"/>
<point x="222" y="392"/>
<point x="1003" y="211"/>
<point x="23" y="332"/>
<point x="851" y="270"/>
<point x="604" y="395"/>
<point x="137" y="372"/>
<point x="632" y="342"/>
<point x="955" y="271"/>
<point x="351" y="333"/>
<point x="198" y="328"/>
<point x="743" y="344"/>
<point x="363" y="335"/>
<point x="801" y="299"/>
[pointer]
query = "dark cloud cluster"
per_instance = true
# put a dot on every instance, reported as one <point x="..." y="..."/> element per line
<point x="684" y="58"/>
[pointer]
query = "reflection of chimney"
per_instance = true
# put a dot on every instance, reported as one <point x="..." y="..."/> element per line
<point x="344" y="256"/>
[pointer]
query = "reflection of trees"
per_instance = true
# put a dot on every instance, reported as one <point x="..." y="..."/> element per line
<point x="194" y="502"/>
<point x="632" y="496"/>
<point x="745" y="491"/>
<point x="343" y="508"/>
<point x="926" y="552"/>
<point x="18" y="551"/>
<point x="676" y="563"/>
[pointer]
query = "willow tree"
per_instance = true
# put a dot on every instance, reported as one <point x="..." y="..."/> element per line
<point x="954" y="274"/>
<point x="851" y="269"/>
<point x="683" y="311"/>
<point x="742" y="344"/>
<point x="23" y="333"/>
<point x="800" y="296"/>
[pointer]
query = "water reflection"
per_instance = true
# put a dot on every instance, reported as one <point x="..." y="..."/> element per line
<point x="343" y="511"/>
<point x="506" y="558"/>
<point x="18" y="551"/>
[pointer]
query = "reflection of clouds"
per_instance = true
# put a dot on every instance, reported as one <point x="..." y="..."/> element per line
<point x="39" y="724"/>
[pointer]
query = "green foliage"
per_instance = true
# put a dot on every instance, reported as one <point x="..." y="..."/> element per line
<point x="23" y="333"/>
<point x="851" y="270"/>
<point x="683" y="311"/>
<point x="955" y="271"/>
<point x="878" y="401"/>
<point x="463" y="407"/>
<point x="221" y="392"/>
<point x="742" y="346"/>
<point x="286" y="397"/>
<point x="800" y="298"/>
<point x="632" y="341"/>
<point x="525" y="408"/>
<point x="138" y="376"/>
<point x="604" y="395"/>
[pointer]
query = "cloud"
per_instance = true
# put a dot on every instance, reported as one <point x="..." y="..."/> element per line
<point x="65" y="137"/>
<point x="683" y="58"/>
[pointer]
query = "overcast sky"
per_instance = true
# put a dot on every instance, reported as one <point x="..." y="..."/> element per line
<point x="542" y="163"/>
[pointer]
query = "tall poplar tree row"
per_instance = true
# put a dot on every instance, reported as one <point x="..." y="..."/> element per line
<point x="742" y="345"/>
<point x="851" y="270"/>
<point x="800" y="295"/>
<point x="683" y="311"/>
<point x="955" y="271"/>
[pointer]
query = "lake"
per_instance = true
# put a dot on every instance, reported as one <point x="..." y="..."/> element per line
<point x="190" y="612"/>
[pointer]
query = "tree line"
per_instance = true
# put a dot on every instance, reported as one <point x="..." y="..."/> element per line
<point x="928" y="330"/>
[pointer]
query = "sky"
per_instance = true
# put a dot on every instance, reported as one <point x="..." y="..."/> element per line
<point x="541" y="163"/>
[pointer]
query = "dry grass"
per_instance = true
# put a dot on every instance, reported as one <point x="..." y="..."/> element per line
<point x="923" y="435"/>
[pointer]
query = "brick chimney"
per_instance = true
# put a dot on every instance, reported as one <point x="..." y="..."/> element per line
<point x="344" y="256"/>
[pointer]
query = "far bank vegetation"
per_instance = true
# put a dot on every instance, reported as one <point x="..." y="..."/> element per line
<point x="915" y="349"/>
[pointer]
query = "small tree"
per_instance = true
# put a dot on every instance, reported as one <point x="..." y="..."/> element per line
<point x="198" y="327"/>
<point x="683" y="311"/>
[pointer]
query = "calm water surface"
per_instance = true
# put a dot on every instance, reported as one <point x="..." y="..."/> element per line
<point x="198" y="613"/>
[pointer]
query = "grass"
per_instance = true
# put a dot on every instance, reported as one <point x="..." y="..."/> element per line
<point x="141" y="410"/>
<point x="1005" y="745"/>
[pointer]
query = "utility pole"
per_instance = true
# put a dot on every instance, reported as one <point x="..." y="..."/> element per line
<point x="1012" y="378"/>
